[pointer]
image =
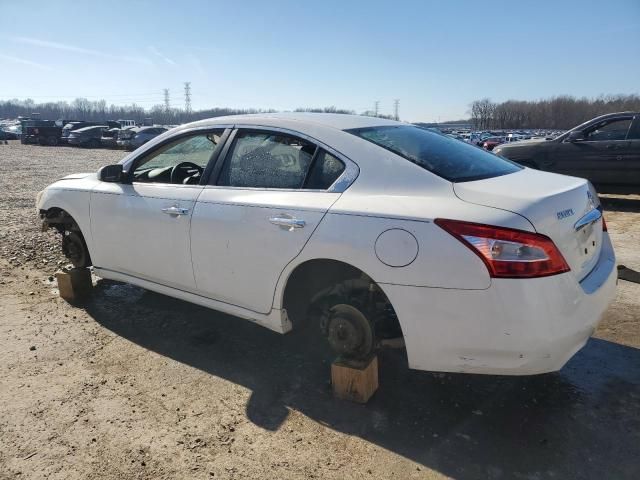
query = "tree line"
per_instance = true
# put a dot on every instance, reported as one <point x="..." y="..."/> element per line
<point x="89" y="110"/>
<point x="555" y="113"/>
<point x="560" y="113"/>
<point x="98" y="110"/>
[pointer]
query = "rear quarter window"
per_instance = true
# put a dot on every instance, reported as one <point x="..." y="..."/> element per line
<point x="446" y="157"/>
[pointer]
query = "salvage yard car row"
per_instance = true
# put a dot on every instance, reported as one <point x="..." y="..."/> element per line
<point x="108" y="134"/>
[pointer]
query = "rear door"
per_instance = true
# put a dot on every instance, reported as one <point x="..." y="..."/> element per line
<point x="599" y="157"/>
<point x="263" y="203"/>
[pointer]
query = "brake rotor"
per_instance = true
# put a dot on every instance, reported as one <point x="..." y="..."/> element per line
<point x="349" y="332"/>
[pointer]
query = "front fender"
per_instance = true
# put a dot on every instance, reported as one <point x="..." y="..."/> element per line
<point x="73" y="201"/>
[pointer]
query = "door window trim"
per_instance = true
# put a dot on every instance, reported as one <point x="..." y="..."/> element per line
<point x="344" y="181"/>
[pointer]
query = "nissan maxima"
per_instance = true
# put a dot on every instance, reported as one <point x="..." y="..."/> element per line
<point x="370" y="231"/>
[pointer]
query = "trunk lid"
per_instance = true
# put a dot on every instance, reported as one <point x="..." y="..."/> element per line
<point x="552" y="203"/>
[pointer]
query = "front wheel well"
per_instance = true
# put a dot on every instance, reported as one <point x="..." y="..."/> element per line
<point x="59" y="219"/>
<point x="318" y="284"/>
<point x="74" y="245"/>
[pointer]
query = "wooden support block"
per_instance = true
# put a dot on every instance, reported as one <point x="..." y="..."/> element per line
<point x="355" y="380"/>
<point x="75" y="284"/>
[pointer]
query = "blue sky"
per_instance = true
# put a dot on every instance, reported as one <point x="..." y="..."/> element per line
<point x="435" y="56"/>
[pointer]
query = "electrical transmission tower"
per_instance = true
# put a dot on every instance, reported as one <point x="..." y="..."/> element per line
<point x="376" y="107"/>
<point x="187" y="97"/>
<point x="396" y="105"/>
<point x="167" y="103"/>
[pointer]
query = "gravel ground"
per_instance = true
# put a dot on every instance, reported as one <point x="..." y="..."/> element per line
<point x="137" y="385"/>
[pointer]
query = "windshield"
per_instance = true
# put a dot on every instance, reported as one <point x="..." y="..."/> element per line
<point x="448" y="158"/>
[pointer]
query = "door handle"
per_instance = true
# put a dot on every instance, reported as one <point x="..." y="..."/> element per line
<point x="175" y="210"/>
<point x="289" y="223"/>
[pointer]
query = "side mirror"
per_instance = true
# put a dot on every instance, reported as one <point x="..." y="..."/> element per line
<point x="111" y="173"/>
<point x="575" y="136"/>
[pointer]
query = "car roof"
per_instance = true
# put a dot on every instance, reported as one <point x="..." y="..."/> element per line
<point x="85" y="129"/>
<point x="338" y="121"/>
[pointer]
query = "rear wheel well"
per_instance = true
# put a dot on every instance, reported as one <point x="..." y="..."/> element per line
<point x="317" y="284"/>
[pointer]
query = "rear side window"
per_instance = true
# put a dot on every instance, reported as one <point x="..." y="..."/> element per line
<point x="267" y="160"/>
<point x="448" y="158"/>
<point x="325" y="170"/>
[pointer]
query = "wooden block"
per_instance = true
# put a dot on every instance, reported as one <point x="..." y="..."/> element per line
<point x="354" y="380"/>
<point x="75" y="284"/>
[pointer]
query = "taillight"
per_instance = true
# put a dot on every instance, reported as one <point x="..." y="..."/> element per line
<point x="508" y="253"/>
<point x="604" y="224"/>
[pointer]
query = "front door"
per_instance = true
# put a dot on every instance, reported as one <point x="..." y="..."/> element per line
<point x="270" y="195"/>
<point x="142" y="228"/>
<point x="599" y="156"/>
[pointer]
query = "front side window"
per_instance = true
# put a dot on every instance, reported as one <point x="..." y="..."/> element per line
<point x="446" y="157"/>
<point x="267" y="160"/>
<point x="180" y="162"/>
<point x="610" y="130"/>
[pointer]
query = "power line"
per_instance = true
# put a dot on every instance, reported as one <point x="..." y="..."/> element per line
<point x="187" y="97"/>
<point x="396" y="104"/>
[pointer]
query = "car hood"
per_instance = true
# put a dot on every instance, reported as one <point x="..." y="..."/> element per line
<point x="77" y="176"/>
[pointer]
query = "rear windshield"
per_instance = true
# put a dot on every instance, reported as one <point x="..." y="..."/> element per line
<point x="448" y="158"/>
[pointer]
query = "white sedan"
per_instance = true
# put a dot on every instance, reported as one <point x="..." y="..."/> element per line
<point x="373" y="231"/>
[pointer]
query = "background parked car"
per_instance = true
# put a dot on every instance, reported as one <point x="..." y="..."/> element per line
<point x="78" y="124"/>
<point x="490" y="143"/>
<point x="136" y="137"/>
<point x="605" y="150"/>
<point x="87" y="136"/>
<point x="42" y="132"/>
<point x="9" y="133"/>
<point x="110" y="138"/>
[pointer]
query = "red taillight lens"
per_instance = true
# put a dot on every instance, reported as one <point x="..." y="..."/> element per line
<point x="508" y="253"/>
<point x="604" y="224"/>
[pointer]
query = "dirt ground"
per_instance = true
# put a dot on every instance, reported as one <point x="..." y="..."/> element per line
<point x="138" y="385"/>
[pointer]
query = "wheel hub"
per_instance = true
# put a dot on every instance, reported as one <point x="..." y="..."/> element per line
<point x="348" y="331"/>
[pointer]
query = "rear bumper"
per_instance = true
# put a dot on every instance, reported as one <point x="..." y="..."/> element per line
<point x="515" y="327"/>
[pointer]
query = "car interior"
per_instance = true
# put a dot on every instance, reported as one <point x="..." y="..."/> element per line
<point x="179" y="162"/>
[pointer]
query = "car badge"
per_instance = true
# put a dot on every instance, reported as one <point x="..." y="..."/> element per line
<point x="564" y="213"/>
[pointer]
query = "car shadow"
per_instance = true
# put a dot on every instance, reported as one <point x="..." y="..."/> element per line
<point x="620" y="204"/>
<point x="583" y="422"/>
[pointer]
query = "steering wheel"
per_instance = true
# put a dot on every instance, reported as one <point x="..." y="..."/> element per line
<point x="184" y="170"/>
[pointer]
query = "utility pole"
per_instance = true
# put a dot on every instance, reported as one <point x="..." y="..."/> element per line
<point x="167" y="103"/>
<point x="396" y="104"/>
<point x="376" y="106"/>
<point x="187" y="97"/>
